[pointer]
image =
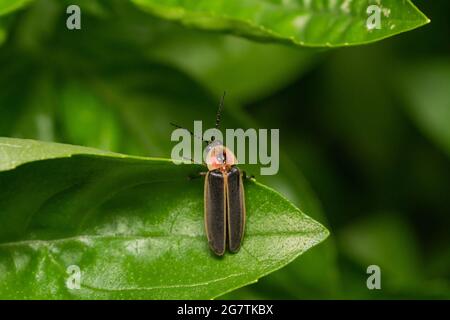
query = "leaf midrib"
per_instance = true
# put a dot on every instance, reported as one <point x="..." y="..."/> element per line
<point x="89" y="238"/>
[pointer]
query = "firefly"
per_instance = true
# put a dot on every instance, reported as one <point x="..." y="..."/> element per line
<point x="224" y="198"/>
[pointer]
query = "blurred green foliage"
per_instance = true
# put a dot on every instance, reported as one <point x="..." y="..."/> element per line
<point x="367" y="127"/>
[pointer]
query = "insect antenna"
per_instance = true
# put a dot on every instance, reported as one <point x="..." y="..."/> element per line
<point x="219" y="111"/>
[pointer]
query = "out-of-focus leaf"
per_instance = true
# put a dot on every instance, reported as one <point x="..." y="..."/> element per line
<point x="5" y="23"/>
<point x="12" y="97"/>
<point x="388" y="241"/>
<point x="323" y="23"/>
<point x="426" y="91"/>
<point x="32" y="32"/>
<point x="88" y="120"/>
<point x="385" y="240"/>
<point x="220" y="62"/>
<point x="95" y="7"/>
<point x="37" y="117"/>
<point x="134" y="227"/>
<point x="249" y="70"/>
<point x="7" y="6"/>
<point x="3" y="33"/>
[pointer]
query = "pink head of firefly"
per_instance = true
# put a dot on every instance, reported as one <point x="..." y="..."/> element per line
<point x="219" y="157"/>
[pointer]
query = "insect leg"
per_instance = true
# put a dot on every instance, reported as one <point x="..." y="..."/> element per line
<point x="197" y="175"/>
<point x="251" y="177"/>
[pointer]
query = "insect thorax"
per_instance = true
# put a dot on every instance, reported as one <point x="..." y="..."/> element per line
<point x="219" y="157"/>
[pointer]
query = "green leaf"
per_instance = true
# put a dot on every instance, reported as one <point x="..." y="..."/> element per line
<point x="134" y="227"/>
<point x="324" y="23"/>
<point x="425" y="89"/>
<point x="386" y="240"/>
<point x="5" y="23"/>
<point x="7" y="6"/>
<point x="3" y="33"/>
<point x="319" y="23"/>
<point x="225" y="62"/>
<point x="87" y="120"/>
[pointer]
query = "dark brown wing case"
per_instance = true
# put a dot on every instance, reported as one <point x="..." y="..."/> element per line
<point x="215" y="211"/>
<point x="235" y="209"/>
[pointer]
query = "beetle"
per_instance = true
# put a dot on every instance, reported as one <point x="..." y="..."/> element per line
<point x="224" y="198"/>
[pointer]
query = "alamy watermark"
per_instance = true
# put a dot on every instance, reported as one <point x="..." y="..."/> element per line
<point x="377" y="12"/>
<point x="374" y="280"/>
<point x="73" y="281"/>
<point x="73" y="21"/>
<point x="374" y="20"/>
<point x="374" y="12"/>
<point x="250" y="146"/>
